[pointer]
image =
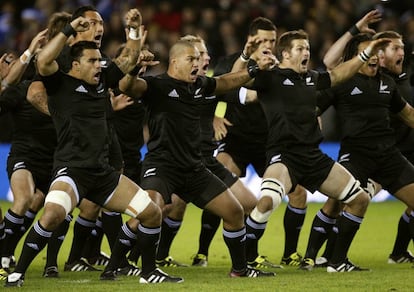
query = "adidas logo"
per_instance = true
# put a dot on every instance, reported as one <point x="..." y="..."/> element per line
<point x="288" y="82"/>
<point x="173" y="93"/>
<point x="402" y="75"/>
<point x="356" y="91"/>
<point x="81" y="88"/>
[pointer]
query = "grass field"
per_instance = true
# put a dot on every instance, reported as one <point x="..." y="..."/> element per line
<point x="371" y="248"/>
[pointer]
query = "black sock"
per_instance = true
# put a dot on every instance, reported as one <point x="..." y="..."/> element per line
<point x="348" y="226"/>
<point x="147" y="240"/>
<point x="36" y="240"/>
<point x="81" y="231"/>
<point x="321" y="226"/>
<point x="169" y="230"/>
<point x="403" y="237"/>
<point x="29" y="217"/>
<point x="125" y="240"/>
<point x="93" y="244"/>
<point x="2" y="235"/>
<point x="236" y="243"/>
<point x="27" y="222"/>
<point x="55" y="241"/>
<point x="292" y="223"/>
<point x="254" y="231"/>
<point x="411" y="224"/>
<point x="111" y="224"/>
<point x="13" y="225"/>
<point x="134" y="254"/>
<point x="209" y="225"/>
<point x="330" y="243"/>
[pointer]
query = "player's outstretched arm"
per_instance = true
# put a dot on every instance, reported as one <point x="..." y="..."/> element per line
<point x="46" y="63"/>
<point x="334" y="54"/>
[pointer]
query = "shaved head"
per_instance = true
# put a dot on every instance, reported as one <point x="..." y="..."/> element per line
<point x="179" y="47"/>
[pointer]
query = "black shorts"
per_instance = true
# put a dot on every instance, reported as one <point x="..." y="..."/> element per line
<point x="96" y="185"/>
<point x="220" y="171"/>
<point x="41" y="171"/>
<point x="387" y="167"/>
<point x="132" y="169"/>
<point x="245" y="152"/>
<point x="198" y="187"/>
<point x="308" y="166"/>
<point x="115" y="152"/>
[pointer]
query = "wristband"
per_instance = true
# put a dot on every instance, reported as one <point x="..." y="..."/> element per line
<point x="221" y="109"/>
<point x="364" y="56"/>
<point x="26" y="57"/>
<point x="252" y="70"/>
<point x="135" y="71"/>
<point x="354" y="30"/>
<point x="242" y="95"/>
<point x="244" y="58"/>
<point x="134" y="34"/>
<point x="68" y="30"/>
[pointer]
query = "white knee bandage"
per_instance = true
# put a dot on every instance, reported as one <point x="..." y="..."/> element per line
<point x="139" y="202"/>
<point x="351" y="191"/>
<point x="61" y="198"/>
<point x="274" y="189"/>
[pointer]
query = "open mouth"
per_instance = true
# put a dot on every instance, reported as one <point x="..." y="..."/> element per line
<point x="205" y="67"/>
<point x="399" y="62"/>
<point x="372" y="65"/>
<point x="194" y="72"/>
<point x="97" y="76"/>
<point x="304" y="62"/>
<point x="98" y="38"/>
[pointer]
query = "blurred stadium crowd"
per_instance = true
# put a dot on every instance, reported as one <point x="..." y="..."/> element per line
<point x="222" y="23"/>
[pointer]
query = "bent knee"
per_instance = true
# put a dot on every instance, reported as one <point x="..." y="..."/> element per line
<point x="139" y="203"/>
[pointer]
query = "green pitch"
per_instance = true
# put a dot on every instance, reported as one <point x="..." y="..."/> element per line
<point x="371" y="248"/>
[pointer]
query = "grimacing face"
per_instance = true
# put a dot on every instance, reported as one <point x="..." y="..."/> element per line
<point x="371" y="67"/>
<point x="299" y="56"/>
<point x="268" y="41"/>
<point x="187" y="64"/>
<point x="204" y="58"/>
<point x="89" y="66"/>
<point x="392" y="57"/>
<point x="96" y="28"/>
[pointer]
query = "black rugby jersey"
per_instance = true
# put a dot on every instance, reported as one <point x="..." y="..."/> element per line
<point x="207" y="109"/>
<point x="34" y="135"/>
<point x="78" y="110"/>
<point x="248" y="120"/>
<point x="174" y="119"/>
<point x="288" y="100"/>
<point x="128" y="123"/>
<point x="404" y="135"/>
<point x="363" y="104"/>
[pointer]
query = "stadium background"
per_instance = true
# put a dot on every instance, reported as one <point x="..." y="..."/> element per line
<point x="222" y="23"/>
